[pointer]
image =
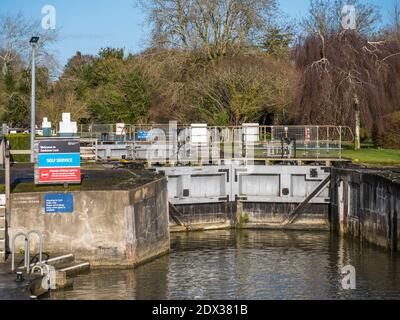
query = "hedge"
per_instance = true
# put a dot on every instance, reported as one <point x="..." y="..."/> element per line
<point x="19" y="142"/>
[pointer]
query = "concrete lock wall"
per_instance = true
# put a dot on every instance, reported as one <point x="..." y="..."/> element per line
<point x="206" y="216"/>
<point x="270" y="215"/>
<point x="366" y="205"/>
<point x="108" y="228"/>
<point x="251" y="215"/>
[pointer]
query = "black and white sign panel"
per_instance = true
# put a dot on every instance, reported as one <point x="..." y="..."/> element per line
<point x="59" y="146"/>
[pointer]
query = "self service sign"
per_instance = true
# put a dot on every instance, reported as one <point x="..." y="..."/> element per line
<point x="58" y="161"/>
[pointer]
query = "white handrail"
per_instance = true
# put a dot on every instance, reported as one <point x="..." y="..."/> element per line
<point x="27" y="248"/>
<point x="13" y="250"/>
<point x="39" y="234"/>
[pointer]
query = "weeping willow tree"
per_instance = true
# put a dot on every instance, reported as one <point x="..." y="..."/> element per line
<point x="346" y="66"/>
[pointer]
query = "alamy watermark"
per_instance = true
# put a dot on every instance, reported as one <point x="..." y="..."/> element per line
<point x="348" y="280"/>
<point x="349" y="19"/>
<point x="49" y="20"/>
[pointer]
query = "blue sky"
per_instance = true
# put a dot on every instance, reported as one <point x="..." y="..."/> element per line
<point x="88" y="25"/>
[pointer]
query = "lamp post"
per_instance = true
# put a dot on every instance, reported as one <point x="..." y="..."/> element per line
<point x="33" y="42"/>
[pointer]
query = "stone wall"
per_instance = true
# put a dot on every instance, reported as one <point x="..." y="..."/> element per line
<point x="108" y="228"/>
<point x="365" y="204"/>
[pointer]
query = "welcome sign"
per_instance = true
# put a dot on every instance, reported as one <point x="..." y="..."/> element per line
<point x="58" y="161"/>
<point x="59" y="146"/>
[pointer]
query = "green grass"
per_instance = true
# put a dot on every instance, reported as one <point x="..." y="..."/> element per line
<point x="374" y="157"/>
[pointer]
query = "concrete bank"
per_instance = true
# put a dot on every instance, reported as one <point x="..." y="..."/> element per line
<point x="120" y="227"/>
<point x="9" y="288"/>
<point x="365" y="204"/>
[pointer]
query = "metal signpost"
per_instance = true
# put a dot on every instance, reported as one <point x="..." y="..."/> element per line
<point x="58" y="161"/>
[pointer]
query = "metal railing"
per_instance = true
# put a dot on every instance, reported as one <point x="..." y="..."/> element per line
<point x="26" y="248"/>
<point x="174" y="142"/>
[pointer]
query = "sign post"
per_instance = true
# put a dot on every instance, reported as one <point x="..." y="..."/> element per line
<point x="58" y="161"/>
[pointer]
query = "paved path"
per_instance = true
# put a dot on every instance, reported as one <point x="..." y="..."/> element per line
<point x="9" y="289"/>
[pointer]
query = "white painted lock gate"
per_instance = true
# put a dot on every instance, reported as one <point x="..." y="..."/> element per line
<point x="271" y="184"/>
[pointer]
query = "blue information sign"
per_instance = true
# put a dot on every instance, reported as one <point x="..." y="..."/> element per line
<point x="61" y="160"/>
<point x="59" y="203"/>
<point x="142" y="135"/>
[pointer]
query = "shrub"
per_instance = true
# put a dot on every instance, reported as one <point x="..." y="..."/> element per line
<point x="365" y="136"/>
<point x="390" y="137"/>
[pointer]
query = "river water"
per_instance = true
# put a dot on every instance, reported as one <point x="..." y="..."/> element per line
<point x="249" y="265"/>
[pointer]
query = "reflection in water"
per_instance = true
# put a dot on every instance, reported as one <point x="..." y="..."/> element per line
<point x="249" y="265"/>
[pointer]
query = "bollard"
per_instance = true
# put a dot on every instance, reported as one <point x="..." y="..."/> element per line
<point x="20" y="277"/>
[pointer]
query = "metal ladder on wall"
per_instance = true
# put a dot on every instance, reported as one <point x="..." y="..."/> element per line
<point x="27" y="262"/>
<point x="42" y="276"/>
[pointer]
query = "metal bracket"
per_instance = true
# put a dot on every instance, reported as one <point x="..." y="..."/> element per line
<point x="238" y="171"/>
<point x="227" y="171"/>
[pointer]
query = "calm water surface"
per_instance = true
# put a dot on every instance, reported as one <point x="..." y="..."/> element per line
<point x="249" y="265"/>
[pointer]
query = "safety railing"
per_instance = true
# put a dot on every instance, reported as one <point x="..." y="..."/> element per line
<point x="177" y="142"/>
<point x="26" y="248"/>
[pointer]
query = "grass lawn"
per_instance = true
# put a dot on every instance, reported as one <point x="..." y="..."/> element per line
<point x="374" y="157"/>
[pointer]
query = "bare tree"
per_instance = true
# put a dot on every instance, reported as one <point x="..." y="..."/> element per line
<point x="61" y="100"/>
<point x="241" y="89"/>
<point x="215" y="26"/>
<point x="325" y="16"/>
<point x="396" y="20"/>
<point x="15" y="33"/>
